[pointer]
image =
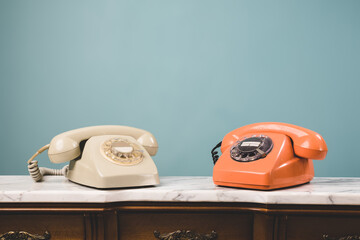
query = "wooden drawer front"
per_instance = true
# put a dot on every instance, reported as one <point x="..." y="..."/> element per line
<point x="141" y="225"/>
<point x="314" y="227"/>
<point x="64" y="226"/>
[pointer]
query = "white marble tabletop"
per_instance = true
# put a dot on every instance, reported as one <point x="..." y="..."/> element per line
<point x="330" y="191"/>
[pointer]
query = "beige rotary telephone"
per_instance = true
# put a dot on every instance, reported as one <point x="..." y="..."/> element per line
<point x="102" y="157"/>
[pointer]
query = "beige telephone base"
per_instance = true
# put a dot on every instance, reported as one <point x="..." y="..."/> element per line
<point x="95" y="169"/>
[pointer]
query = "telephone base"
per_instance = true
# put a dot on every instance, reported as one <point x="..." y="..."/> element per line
<point x="95" y="170"/>
<point x="260" y="187"/>
<point x="124" y="185"/>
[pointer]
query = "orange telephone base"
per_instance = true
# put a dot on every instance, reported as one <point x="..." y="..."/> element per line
<point x="258" y="187"/>
<point x="268" y="156"/>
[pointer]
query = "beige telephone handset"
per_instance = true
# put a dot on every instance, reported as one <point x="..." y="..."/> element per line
<point x="112" y="157"/>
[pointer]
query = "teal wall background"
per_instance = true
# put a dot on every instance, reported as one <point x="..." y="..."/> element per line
<point x="187" y="71"/>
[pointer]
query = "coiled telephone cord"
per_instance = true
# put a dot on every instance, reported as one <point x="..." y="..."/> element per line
<point x="37" y="172"/>
<point x="214" y="153"/>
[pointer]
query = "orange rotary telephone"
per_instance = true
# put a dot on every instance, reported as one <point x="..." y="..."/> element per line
<point x="267" y="156"/>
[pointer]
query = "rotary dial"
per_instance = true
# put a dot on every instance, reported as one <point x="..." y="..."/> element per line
<point x="122" y="152"/>
<point x="251" y="149"/>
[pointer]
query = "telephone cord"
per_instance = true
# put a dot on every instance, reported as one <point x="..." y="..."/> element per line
<point x="214" y="153"/>
<point x="37" y="172"/>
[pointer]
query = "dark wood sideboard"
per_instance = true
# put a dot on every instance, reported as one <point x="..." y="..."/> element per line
<point x="178" y="220"/>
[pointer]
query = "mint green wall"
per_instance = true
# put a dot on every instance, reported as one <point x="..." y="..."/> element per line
<point x="188" y="71"/>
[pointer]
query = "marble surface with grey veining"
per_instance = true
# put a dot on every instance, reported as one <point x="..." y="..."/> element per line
<point x="330" y="191"/>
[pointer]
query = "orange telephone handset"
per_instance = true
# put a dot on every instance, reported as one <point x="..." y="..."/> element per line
<point x="268" y="156"/>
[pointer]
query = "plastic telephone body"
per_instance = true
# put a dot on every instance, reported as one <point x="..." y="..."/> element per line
<point x="95" y="171"/>
<point x="287" y="163"/>
<point x="92" y="166"/>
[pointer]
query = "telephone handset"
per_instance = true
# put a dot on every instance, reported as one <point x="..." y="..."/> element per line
<point x="102" y="157"/>
<point x="267" y="156"/>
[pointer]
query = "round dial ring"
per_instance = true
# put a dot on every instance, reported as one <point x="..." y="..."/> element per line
<point x="251" y="149"/>
<point x="122" y="151"/>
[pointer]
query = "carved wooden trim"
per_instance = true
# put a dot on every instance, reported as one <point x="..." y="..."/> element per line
<point x="21" y="235"/>
<point x="182" y="206"/>
<point x="349" y="237"/>
<point x="185" y="235"/>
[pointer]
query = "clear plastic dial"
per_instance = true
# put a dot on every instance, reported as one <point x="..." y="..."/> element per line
<point x="122" y="152"/>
